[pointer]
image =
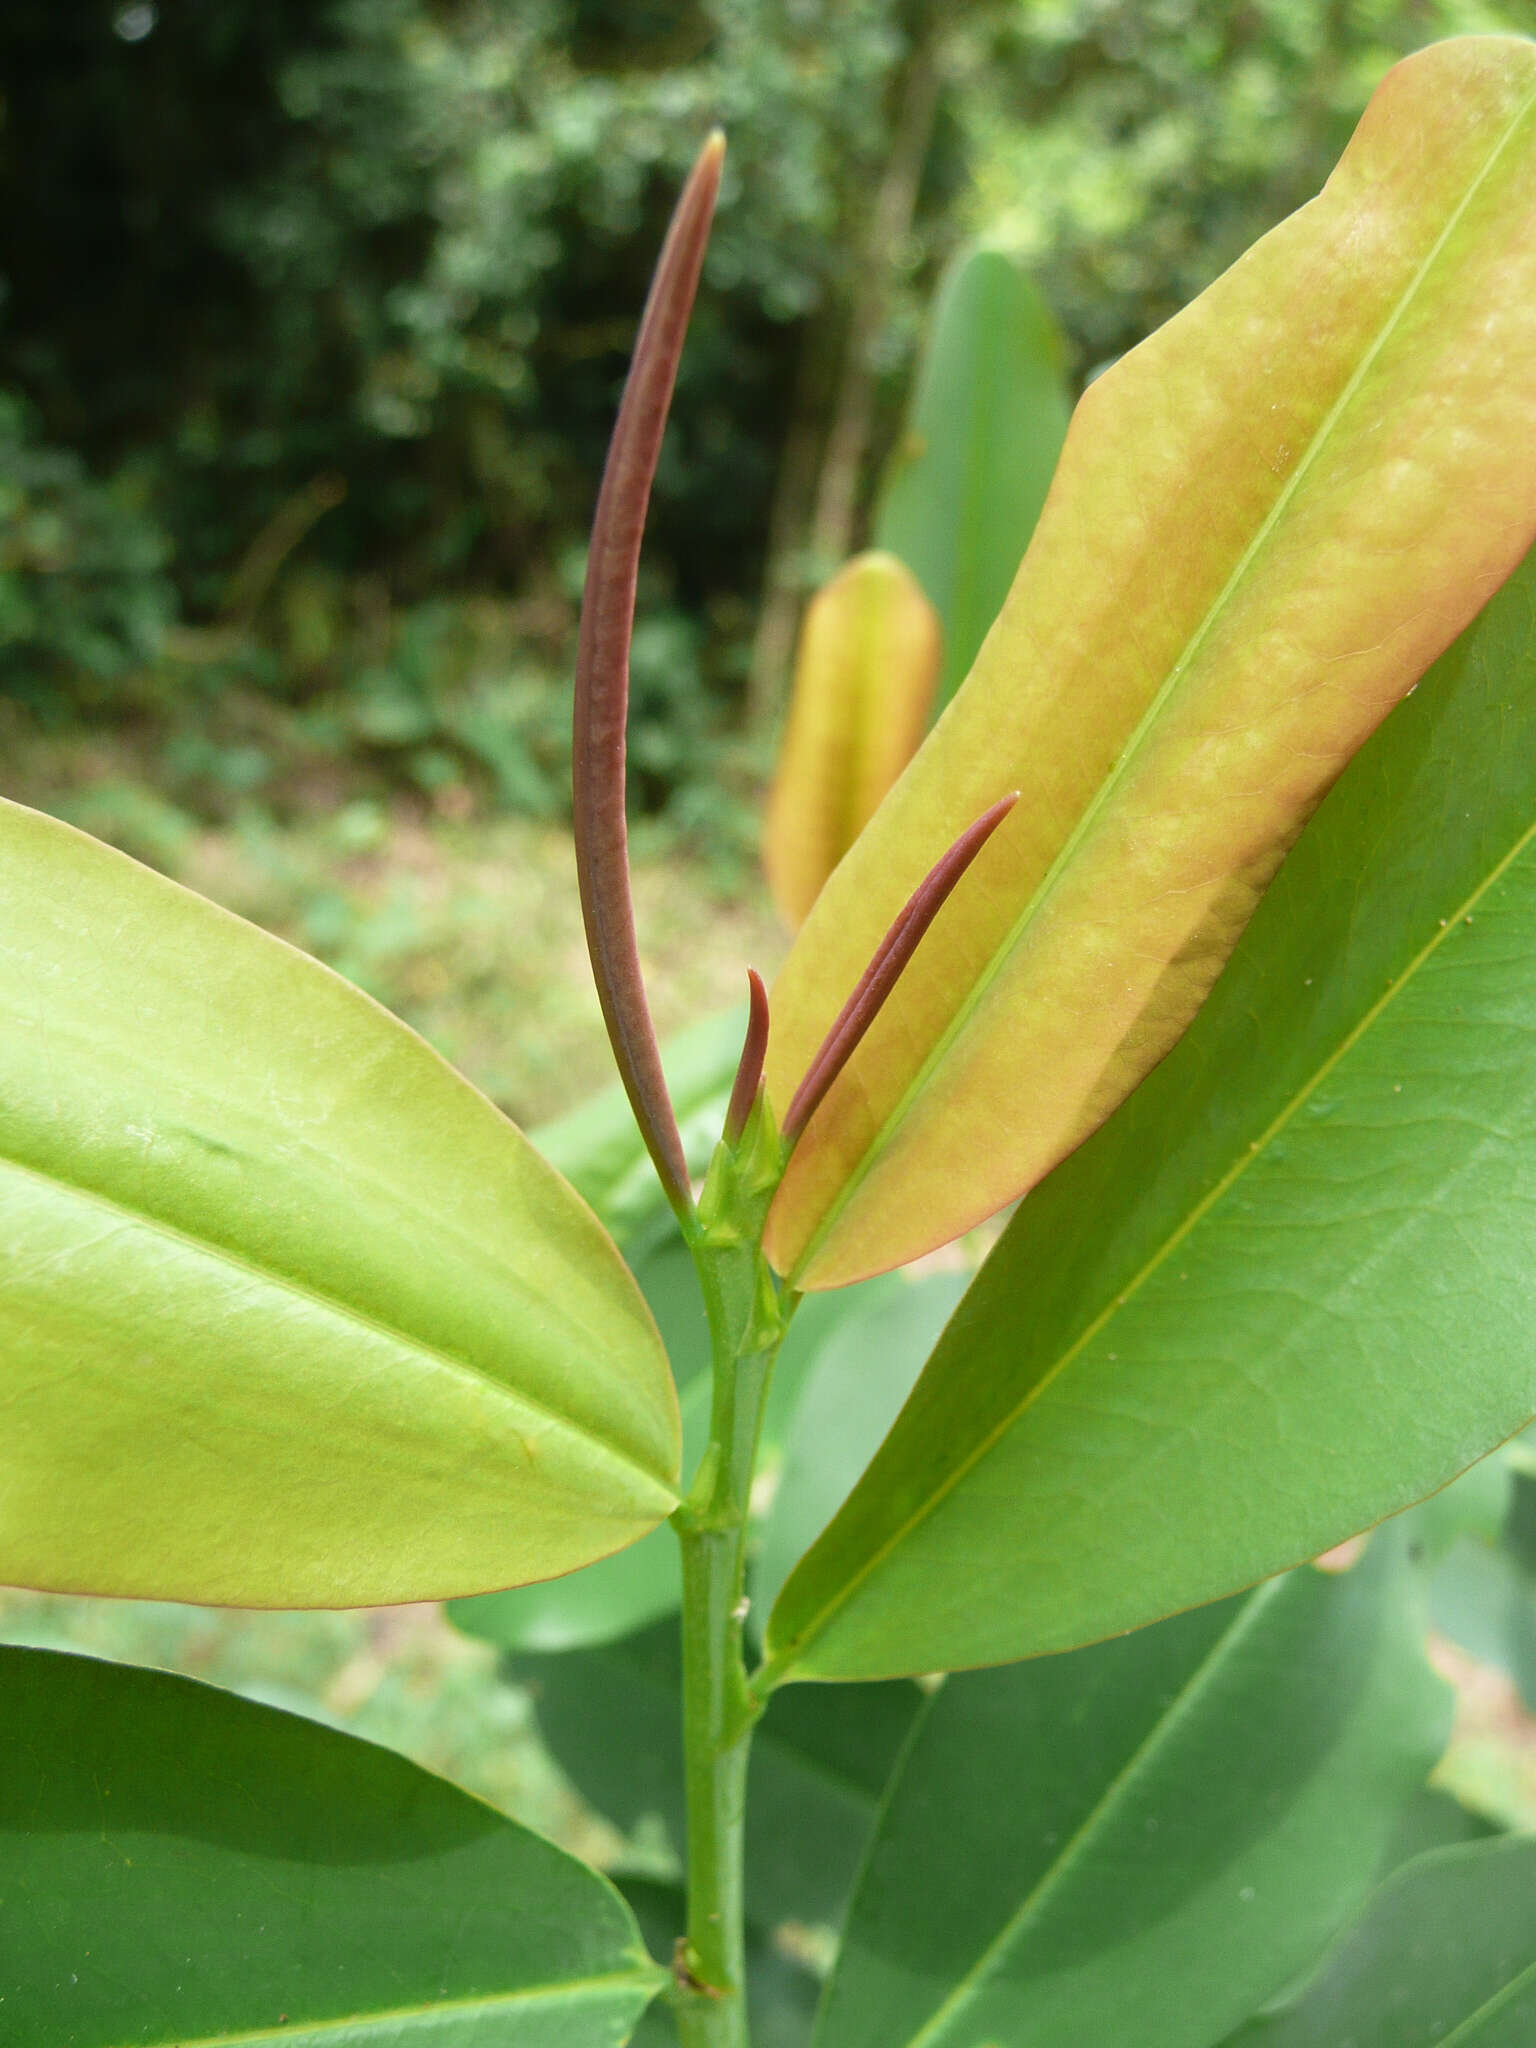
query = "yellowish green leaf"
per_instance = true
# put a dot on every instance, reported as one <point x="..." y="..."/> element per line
<point x="864" y="679"/>
<point x="1267" y="522"/>
<point x="289" y="1314"/>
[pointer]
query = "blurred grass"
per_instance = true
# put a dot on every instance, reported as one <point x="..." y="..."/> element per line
<point x="460" y="917"/>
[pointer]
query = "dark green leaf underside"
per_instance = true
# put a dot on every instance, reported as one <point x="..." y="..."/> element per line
<point x="1445" y="1954"/>
<point x="179" y="1867"/>
<point x="1140" y="1841"/>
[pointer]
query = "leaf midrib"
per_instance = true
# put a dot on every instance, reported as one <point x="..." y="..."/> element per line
<point x="573" y="1990"/>
<point x="1162" y="1730"/>
<point x="975" y="994"/>
<point x="777" y="1665"/>
<point x="345" y="1311"/>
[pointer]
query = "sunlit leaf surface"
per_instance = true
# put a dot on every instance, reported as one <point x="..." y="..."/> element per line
<point x="289" y="1314"/>
<point x="1266" y="522"/>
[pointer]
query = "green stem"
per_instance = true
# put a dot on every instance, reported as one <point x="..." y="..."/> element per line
<point x="746" y="1319"/>
<point x="718" y="1716"/>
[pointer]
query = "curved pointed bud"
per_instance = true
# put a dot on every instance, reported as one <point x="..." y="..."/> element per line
<point x="865" y="674"/>
<point x="602" y="672"/>
<point x="749" y="1071"/>
<point x="884" y="970"/>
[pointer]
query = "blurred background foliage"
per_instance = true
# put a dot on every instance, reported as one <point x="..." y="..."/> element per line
<point x="315" y="313"/>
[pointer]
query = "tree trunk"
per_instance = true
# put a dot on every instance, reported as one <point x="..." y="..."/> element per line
<point x="816" y="503"/>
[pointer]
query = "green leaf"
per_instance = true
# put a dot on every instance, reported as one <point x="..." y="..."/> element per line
<point x="1445" y="1954"/>
<point x="820" y="1758"/>
<point x="178" y="1866"/>
<point x="1475" y="1596"/>
<point x="598" y="1146"/>
<point x="1268" y="520"/>
<point x="290" y="1315"/>
<point x="862" y="1373"/>
<point x="817" y="1321"/>
<point x="989" y="414"/>
<point x="1520" y="1545"/>
<point x="1435" y="1819"/>
<point x="865" y="670"/>
<point x="1139" y="1842"/>
<point x="1289" y="1289"/>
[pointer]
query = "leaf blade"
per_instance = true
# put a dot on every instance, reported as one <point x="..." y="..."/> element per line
<point x="1166" y="769"/>
<point x="619" y="1594"/>
<point x="855" y="1389"/>
<point x="162" y="1903"/>
<point x="1445" y="1953"/>
<point x="864" y="677"/>
<point x="292" y="1315"/>
<point x="1141" y="1840"/>
<point x="989" y="415"/>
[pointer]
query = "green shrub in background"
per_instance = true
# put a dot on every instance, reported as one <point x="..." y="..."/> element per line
<point x="85" y="594"/>
<point x="383" y="239"/>
<point x="254" y="246"/>
<point x="1129" y="150"/>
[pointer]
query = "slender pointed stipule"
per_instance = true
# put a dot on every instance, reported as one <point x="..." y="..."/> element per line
<point x="602" y="673"/>
<point x="749" y="1073"/>
<point x="886" y="965"/>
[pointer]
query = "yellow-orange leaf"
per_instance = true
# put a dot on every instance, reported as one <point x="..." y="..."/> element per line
<point x="1268" y="520"/>
<point x="865" y="675"/>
